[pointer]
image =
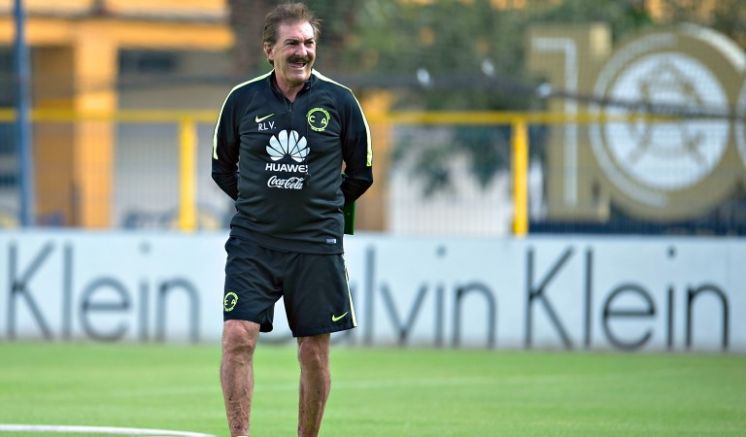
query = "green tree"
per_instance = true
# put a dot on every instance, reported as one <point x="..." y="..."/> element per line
<point x="454" y="55"/>
<point x="458" y="55"/>
<point x="725" y="16"/>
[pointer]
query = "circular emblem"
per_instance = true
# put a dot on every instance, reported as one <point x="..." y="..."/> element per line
<point x="741" y="124"/>
<point x="318" y="119"/>
<point x="229" y="301"/>
<point x="664" y="168"/>
<point x="667" y="155"/>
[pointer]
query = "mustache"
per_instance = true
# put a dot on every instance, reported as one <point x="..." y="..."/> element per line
<point x="296" y="59"/>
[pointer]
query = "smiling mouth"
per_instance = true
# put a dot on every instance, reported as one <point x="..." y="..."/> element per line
<point x="298" y="63"/>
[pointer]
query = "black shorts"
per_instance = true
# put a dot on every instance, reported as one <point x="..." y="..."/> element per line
<point x="314" y="288"/>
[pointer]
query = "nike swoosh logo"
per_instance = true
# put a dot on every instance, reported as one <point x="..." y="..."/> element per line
<point x="338" y="318"/>
<point x="259" y="119"/>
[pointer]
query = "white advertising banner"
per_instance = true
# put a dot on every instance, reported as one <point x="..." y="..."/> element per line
<point x="561" y="292"/>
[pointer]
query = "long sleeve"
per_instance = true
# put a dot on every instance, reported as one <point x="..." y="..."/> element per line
<point x="225" y="149"/>
<point x="357" y="153"/>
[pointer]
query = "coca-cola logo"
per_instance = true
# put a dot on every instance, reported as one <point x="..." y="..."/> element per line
<point x="291" y="183"/>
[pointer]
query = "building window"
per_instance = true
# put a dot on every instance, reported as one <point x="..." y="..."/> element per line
<point x="148" y="62"/>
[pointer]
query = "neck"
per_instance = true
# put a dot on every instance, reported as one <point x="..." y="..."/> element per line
<point x="290" y="91"/>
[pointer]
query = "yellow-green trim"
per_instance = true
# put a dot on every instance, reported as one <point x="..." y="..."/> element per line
<point x="220" y="114"/>
<point x="349" y="293"/>
<point x="369" y="155"/>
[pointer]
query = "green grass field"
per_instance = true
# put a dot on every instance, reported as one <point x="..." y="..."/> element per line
<point x="381" y="392"/>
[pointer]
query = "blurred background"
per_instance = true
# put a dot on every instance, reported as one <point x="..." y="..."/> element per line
<point x="559" y="175"/>
<point x="490" y="117"/>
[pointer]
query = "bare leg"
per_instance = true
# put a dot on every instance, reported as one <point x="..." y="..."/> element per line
<point x="237" y="374"/>
<point x="315" y="383"/>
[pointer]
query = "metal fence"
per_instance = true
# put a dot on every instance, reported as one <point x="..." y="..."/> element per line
<point x="486" y="173"/>
<point x="442" y="173"/>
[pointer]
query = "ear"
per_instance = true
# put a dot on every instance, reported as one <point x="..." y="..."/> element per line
<point x="268" y="51"/>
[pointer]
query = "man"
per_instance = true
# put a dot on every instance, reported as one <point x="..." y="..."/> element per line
<point x="280" y="145"/>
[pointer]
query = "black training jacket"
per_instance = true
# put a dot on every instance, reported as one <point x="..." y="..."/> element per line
<point x="288" y="183"/>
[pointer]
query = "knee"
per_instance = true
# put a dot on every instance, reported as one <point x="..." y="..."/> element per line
<point x="239" y="339"/>
<point x="313" y="354"/>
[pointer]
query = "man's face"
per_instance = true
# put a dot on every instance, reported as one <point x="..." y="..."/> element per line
<point x="293" y="54"/>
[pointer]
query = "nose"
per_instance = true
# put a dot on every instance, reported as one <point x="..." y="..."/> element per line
<point x="303" y="50"/>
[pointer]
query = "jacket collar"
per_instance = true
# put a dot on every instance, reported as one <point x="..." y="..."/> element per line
<point x="306" y="86"/>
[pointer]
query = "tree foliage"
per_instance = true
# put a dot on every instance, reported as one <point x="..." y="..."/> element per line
<point x="465" y="55"/>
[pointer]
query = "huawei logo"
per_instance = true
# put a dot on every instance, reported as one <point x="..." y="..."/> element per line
<point x="287" y="144"/>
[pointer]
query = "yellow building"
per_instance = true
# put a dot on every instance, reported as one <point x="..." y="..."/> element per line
<point x="83" y="53"/>
<point x="104" y="56"/>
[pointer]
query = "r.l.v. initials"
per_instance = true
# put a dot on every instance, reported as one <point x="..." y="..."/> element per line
<point x="266" y="125"/>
